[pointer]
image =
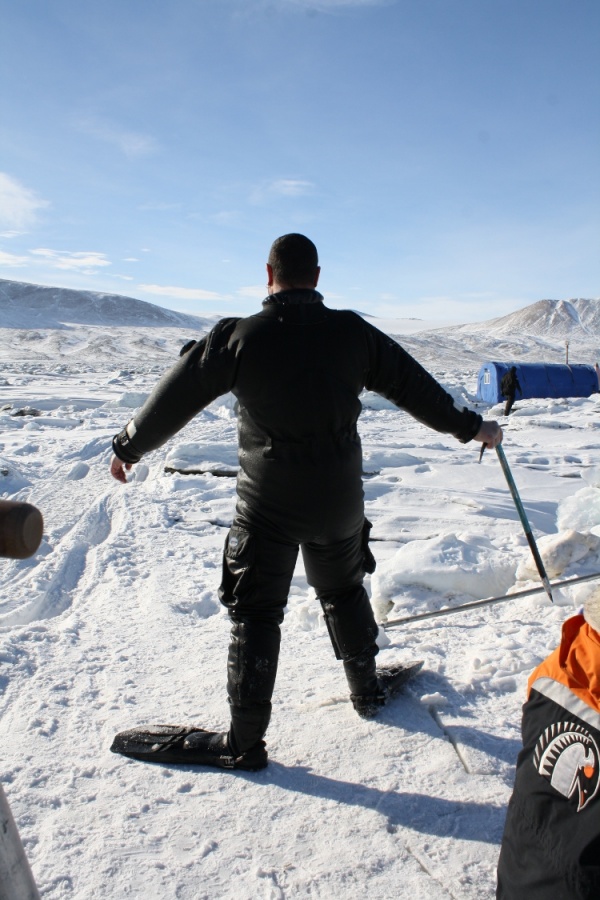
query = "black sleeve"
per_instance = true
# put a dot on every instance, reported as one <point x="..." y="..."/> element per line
<point x="201" y="375"/>
<point x="398" y="377"/>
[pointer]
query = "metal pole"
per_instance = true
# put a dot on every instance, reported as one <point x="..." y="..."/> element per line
<point x="465" y="607"/>
<point x="16" y="880"/>
<point x="523" y="516"/>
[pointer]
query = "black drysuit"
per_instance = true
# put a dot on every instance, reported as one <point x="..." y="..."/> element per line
<point x="297" y="369"/>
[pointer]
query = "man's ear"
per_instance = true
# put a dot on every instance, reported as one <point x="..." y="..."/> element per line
<point x="269" y="275"/>
<point x="318" y="272"/>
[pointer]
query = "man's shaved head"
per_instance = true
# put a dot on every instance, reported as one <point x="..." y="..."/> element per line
<point x="294" y="260"/>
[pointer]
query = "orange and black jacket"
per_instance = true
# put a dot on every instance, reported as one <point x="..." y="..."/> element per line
<point x="551" y="843"/>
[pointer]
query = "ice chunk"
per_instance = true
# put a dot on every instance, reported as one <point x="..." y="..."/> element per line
<point x="559" y="552"/>
<point x="465" y="564"/>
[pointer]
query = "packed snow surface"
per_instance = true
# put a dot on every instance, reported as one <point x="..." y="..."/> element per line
<point x="115" y="623"/>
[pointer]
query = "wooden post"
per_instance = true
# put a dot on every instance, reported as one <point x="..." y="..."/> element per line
<point x="567" y="351"/>
<point x="16" y="880"/>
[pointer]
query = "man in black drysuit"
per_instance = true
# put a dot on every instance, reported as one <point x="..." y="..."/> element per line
<point x="297" y="369"/>
<point x="509" y="387"/>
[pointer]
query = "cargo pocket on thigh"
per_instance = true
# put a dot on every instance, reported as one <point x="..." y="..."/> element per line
<point x="369" y="562"/>
<point x="238" y="568"/>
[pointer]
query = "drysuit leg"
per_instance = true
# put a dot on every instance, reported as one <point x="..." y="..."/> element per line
<point x="257" y="573"/>
<point x="336" y="571"/>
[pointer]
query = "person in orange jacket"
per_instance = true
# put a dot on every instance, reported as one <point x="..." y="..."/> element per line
<point x="551" y="843"/>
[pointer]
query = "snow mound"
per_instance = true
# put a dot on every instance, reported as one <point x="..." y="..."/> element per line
<point x="390" y="458"/>
<point x="580" y="512"/>
<point x="559" y="553"/>
<point x="588" y="596"/>
<point x="206" y="457"/>
<point x="464" y="565"/>
<point x="11" y="478"/>
<point x="592" y="477"/>
<point x="128" y="400"/>
<point x="371" y="400"/>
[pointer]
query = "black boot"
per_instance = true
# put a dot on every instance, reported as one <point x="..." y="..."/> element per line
<point x="361" y="673"/>
<point x="389" y="681"/>
<point x="212" y="748"/>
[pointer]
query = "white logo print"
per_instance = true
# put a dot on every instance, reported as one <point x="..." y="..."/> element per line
<point x="567" y="756"/>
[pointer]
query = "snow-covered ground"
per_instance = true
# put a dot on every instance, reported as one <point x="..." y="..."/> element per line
<point x="115" y="623"/>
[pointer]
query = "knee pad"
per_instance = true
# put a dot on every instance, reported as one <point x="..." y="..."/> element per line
<point x="238" y="568"/>
<point x="252" y="661"/>
<point x="350" y="621"/>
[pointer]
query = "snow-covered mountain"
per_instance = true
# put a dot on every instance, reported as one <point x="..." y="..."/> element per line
<point x="25" y="305"/>
<point x="40" y="324"/>
<point x="536" y="333"/>
<point x="549" y="318"/>
<point x="44" y="323"/>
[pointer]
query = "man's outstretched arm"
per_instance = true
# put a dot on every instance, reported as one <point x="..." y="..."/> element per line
<point x="398" y="376"/>
<point x="205" y="372"/>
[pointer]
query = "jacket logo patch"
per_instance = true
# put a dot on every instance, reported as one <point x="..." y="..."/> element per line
<point x="567" y="755"/>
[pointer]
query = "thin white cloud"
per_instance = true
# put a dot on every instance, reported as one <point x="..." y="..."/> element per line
<point x="130" y="259"/>
<point x="226" y="217"/>
<point x="12" y="261"/>
<point x="86" y="262"/>
<point x="329" y="5"/>
<point x="131" y="143"/>
<point x="290" y="187"/>
<point x="255" y="291"/>
<point x="159" y="207"/>
<point x="18" y="204"/>
<point x="281" y="187"/>
<point x="181" y="293"/>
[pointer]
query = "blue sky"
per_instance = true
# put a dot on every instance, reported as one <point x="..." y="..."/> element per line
<point x="444" y="155"/>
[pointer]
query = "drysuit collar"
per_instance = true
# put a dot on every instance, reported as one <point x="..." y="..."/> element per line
<point x="294" y="297"/>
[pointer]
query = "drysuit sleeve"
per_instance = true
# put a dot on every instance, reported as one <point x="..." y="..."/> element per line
<point x="203" y="373"/>
<point x="398" y="377"/>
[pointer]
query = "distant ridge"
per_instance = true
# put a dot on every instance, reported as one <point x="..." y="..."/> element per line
<point x="536" y="333"/>
<point x="89" y="328"/>
<point x="34" y="306"/>
<point x="547" y="318"/>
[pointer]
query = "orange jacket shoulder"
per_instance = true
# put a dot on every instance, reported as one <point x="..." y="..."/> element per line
<point x="576" y="663"/>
